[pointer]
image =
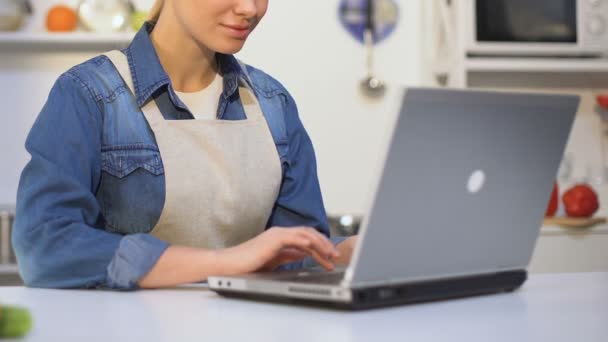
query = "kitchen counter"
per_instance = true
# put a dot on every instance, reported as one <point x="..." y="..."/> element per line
<point x="561" y="250"/>
<point x="549" y="307"/>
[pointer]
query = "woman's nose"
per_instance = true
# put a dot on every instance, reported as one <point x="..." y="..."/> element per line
<point x="246" y="8"/>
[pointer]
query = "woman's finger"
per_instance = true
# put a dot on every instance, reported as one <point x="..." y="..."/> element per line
<point x="297" y="241"/>
<point x="293" y="254"/>
<point x="324" y="262"/>
<point x="323" y="245"/>
<point x="286" y="256"/>
<point x="316" y="245"/>
<point x="327" y="247"/>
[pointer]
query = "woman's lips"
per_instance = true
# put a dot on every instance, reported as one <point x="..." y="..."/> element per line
<point x="236" y="31"/>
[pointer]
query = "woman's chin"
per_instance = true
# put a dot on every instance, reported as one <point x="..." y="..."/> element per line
<point x="230" y="48"/>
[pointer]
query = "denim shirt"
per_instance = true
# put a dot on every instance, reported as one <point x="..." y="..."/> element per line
<point x="94" y="187"/>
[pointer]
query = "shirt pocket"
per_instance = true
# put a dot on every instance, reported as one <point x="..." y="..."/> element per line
<point x="132" y="188"/>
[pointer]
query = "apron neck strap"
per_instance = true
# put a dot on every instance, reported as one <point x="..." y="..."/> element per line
<point x="249" y="101"/>
<point x="122" y="65"/>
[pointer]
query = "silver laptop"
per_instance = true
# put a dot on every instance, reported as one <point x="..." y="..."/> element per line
<point x="457" y="208"/>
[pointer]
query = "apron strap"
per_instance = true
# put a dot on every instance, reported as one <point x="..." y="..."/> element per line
<point x="249" y="101"/>
<point x="122" y="65"/>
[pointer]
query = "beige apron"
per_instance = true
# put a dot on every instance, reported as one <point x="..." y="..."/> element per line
<point x="222" y="177"/>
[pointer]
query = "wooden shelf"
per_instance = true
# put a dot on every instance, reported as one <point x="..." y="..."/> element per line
<point x="59" y="41"/>
<point x="564" y="65"/>
<point x="559" y="230"/>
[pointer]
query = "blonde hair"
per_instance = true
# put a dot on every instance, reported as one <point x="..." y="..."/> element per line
<point x="155" y="11"/>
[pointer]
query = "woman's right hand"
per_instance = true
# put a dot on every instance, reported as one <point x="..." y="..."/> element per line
<point x="277" y="246"/>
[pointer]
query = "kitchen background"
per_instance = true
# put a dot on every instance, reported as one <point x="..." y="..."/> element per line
<point x="305" y="46"/>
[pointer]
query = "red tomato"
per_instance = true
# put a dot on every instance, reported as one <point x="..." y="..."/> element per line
<point x="602" y="100"/>
<point x="580" y="201"/>
<point x="553" y="202"/>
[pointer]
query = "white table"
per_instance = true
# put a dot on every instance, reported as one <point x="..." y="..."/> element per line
<point x="550" y="307"/>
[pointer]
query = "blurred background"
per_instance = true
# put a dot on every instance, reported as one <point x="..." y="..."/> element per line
<point x="348" y="85"/>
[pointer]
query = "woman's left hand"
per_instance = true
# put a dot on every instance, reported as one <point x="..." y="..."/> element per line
<point x="346" y="250"/>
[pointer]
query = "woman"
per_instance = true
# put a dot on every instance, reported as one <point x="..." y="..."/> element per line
<point x="170" y="161"/>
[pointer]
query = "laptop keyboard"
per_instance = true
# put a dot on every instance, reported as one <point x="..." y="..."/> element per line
<point x="328" y="278"/>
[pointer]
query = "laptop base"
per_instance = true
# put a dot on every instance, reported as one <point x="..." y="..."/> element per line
<point x="399" y="294"/>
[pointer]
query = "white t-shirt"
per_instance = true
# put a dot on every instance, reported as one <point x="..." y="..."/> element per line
<point x="203" y="104"/>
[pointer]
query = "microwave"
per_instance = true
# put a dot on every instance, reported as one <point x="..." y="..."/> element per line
<point x="536" y="27"/>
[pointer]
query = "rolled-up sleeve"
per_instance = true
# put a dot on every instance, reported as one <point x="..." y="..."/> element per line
<point x="58" y="235"/>
<point x="135" y="257"/>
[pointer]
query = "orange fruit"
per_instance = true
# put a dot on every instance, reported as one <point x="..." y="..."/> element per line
<point x="61" y="18"/>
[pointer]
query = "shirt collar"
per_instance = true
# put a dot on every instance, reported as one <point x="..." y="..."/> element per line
<point x="149" y="75"/>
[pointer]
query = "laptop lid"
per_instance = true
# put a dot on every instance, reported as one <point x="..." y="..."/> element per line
<point x="464" y="186"/>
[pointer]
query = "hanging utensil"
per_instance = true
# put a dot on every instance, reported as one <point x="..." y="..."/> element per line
<point x="371" y="86"/>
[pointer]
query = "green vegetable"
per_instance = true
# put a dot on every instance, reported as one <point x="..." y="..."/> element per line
<point x="14" y="322"/>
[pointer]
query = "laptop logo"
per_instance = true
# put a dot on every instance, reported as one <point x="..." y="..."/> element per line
<point x="476" y="181"/>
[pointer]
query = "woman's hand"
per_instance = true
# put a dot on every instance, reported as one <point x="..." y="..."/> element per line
<point x="345" y="248"/>
<point x="275" y="247"/>
<point x="267" y="251"/>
